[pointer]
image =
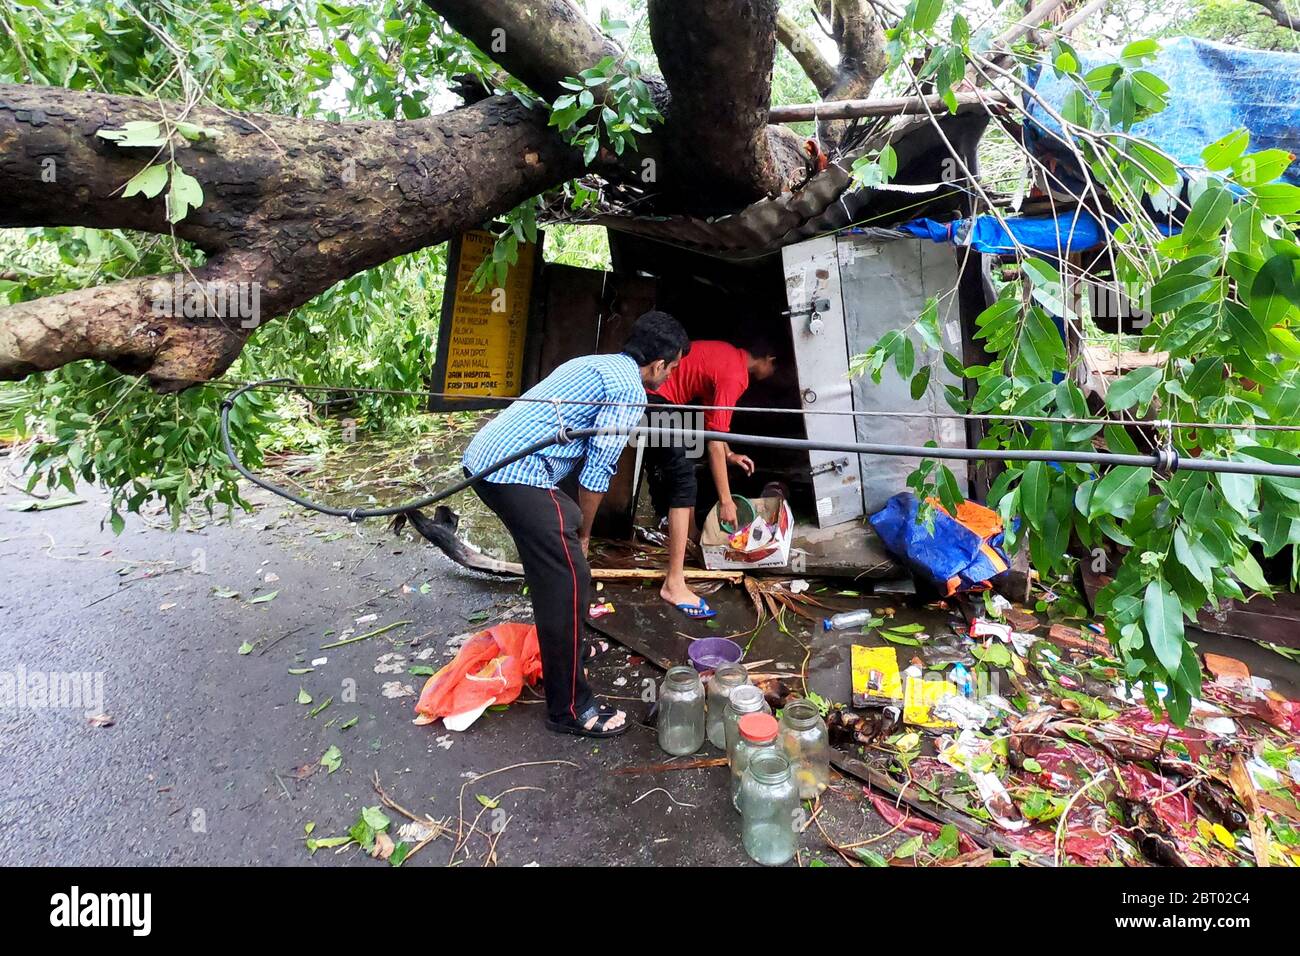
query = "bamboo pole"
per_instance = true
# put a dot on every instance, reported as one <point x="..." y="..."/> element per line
<point x="653" y="574"/>
<point x="891" y="106"/>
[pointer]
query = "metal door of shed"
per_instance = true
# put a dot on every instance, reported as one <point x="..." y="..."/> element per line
<point x="884" y="285"/>
<point x="821" y="357"/>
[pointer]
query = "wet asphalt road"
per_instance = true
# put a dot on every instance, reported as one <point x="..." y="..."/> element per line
<point x="199" y="764"/>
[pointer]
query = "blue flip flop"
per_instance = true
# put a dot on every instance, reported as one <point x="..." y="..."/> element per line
<point x="697" y="612"/>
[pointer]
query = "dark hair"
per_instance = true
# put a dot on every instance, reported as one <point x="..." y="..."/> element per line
<point x="758" y="344"/>
<point x="656" y="335"/>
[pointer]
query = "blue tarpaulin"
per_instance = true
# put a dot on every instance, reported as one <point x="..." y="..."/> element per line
<point x="962" y="553"/>
<point x="1214" y="90"/>
<point x="1072" y="231"/>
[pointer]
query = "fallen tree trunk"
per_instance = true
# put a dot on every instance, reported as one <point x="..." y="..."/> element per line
<point x="289" y="207"/>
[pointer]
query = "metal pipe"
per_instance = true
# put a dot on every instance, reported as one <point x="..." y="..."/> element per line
<point x="1164" y="460"/>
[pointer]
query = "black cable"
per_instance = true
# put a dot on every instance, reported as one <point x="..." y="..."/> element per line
<point x="1163" y="461"/>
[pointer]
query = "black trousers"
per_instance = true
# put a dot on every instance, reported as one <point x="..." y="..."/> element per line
<point x="671" y="472"/>
<point x="545" y="523"/>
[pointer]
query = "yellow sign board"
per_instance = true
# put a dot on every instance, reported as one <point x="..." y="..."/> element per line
<point x="483" y="333"/>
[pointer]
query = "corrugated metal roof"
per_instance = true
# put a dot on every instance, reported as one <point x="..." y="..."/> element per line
<point x="825" y="204"/>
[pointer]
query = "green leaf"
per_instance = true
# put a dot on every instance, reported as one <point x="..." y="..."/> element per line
<point x="1277" y="199"/>
<point x="148" y="182"/>
<point x="1256" y="169"/>
<point x="1041" y="349"/>
<point x="920" y="382"/>
<point x="1034" y="486"/>
<point x="1223" y="152"/>
<point x="1077" y="109"/>
<point x="332" y="759"/>
<point x="375" y="818"/>
<point x="1162" y="618"/>
<point x="1134" y="388"/>
<point x="1249" y="573"/>
<point x="1185" y="281"/>
<point x="136" y="133"/>
<point x="1239" y="491"/>
<point x="1119" y="491"/>
<point x="923" y="14"/>
<point x="908" y="848"/>
<point x="1209" y="213"/>
<point x="263" y="598"/>
<point x="185" y="194"/>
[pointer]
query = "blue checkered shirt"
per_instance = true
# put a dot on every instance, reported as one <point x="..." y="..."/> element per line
<point x="600" y="378"/>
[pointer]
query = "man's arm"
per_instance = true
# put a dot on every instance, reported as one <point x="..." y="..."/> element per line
<point x="589" y="502"/>
<point x="603" y="451"/>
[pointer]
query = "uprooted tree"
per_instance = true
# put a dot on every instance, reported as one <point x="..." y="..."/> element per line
<point x="293" y="204"/>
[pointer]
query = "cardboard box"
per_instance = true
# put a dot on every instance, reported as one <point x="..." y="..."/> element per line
<point x="764" y="544"/>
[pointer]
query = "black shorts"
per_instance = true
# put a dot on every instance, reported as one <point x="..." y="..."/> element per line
<point x="670" y="469"/>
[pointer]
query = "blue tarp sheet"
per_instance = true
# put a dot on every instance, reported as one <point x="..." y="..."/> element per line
<point x="1070" y="232"/>
<point x="955" y="557"/>
<point x="1214" y="89"/>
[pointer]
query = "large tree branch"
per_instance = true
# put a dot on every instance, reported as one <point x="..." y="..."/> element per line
<point x="290" y="207"/>
<point x="1280" y="14"/>
<point x="861" y="43"/>
<point x="800" y="45"/>
<point x="717" y="59"/>
<point x="538" y="42"/>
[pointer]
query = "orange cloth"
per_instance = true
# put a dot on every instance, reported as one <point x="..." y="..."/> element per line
<point x="492" y="665"/>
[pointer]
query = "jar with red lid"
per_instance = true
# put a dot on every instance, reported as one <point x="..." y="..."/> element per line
<point x="757" y="731"/>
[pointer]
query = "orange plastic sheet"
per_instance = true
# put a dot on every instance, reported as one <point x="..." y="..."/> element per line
<point x="492" y="668"/>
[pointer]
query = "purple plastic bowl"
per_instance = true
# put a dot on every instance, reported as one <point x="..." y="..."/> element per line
<point x="710" y="653"/>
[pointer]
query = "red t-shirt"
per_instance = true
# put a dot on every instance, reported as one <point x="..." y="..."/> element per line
<point x="712" y="373"/>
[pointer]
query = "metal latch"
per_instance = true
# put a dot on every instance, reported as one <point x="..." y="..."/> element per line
<point x="837" y="465"/>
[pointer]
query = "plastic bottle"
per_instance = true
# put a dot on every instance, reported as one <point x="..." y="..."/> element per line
<point x="846" y="619"/>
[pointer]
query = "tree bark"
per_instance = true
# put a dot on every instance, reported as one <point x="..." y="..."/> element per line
<point x="717" y="59"/>
<point x="290" y="206"/>
<point x="538" y="42"/>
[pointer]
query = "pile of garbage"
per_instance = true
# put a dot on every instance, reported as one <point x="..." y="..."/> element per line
<point x="1032" y="735"/>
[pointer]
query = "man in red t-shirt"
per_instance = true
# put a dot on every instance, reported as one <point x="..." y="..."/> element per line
<point x="711" y="373"/>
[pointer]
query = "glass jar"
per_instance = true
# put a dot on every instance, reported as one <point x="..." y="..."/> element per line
<point x="769" y="809"/>
<point x="757" y="732"/>
<point x="806" y="744"/>
<point x="681" y="712"/>
<point x="725" y="679"/>
<point x="745" y="699"/>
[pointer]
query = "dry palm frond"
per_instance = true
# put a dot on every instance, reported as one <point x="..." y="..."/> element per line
<point x="775" y="596"/>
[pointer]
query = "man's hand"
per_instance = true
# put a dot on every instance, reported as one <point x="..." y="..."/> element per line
<point x="727" y="512"/>
<point x="743" y="462"/>
<point x="584" y="542"/>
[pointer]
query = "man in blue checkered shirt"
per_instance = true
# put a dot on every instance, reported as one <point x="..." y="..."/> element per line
<point x="550" y="529"/>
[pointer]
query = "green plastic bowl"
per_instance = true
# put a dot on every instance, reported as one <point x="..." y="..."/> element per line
<point x="745" y="514"/>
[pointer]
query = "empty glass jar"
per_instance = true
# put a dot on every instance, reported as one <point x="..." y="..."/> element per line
<point x="725" y="679"/>
<point x="745" y="699"/>
<point x="757" y="733"/>
<point x="806" y="744"/>
<point x="681" y="711"/>
<point x="769" y="809"/>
